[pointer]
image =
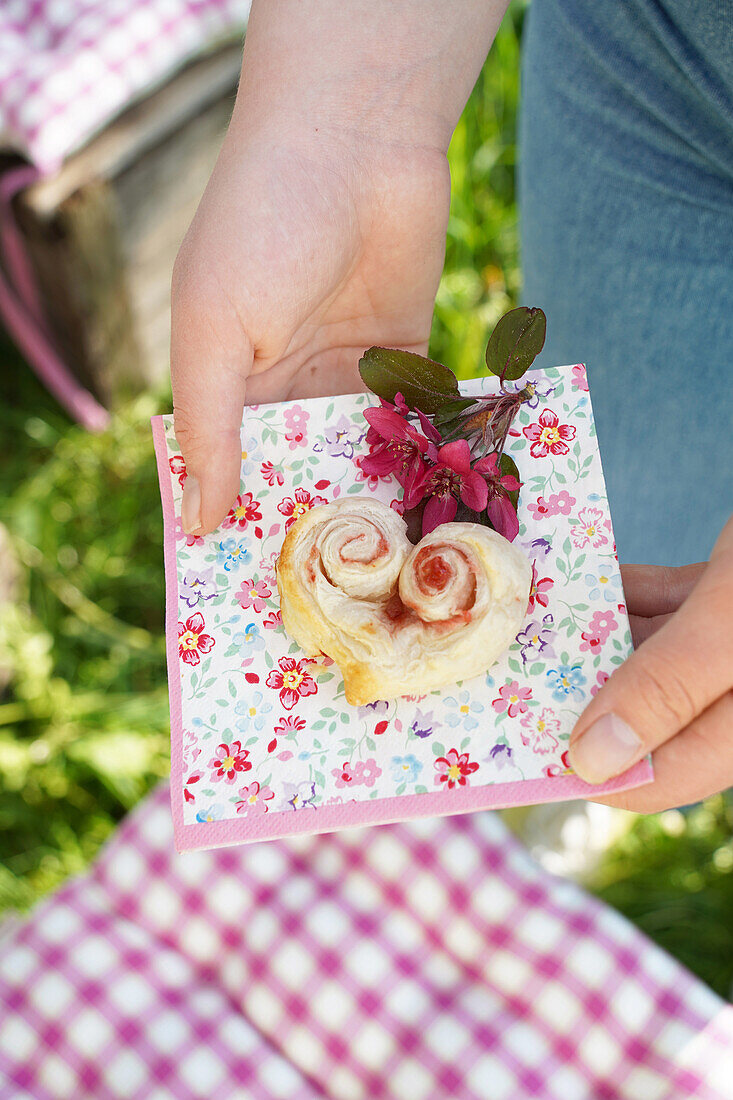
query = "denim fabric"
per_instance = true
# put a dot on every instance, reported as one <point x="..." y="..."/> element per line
<point x="626" y="194"/>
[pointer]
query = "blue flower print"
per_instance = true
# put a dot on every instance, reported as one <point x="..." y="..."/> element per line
<point x="251" y="455"/>
<point x="252" y="712"/>
<point x="211" y="813"/>
<point x="231" y="554"/>
<point x="463" y="711"/>
<point x="566" y="681"/>
<point x="250" y="637"/>
<point x="606" y="585"/>
<point x="405" y="769"/>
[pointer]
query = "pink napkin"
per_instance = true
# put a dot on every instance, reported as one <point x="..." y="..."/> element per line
<point x="263" y="742"/>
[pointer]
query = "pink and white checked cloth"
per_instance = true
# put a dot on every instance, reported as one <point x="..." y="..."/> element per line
<point x="430" y="960"/>
<point x="69" y="66"/>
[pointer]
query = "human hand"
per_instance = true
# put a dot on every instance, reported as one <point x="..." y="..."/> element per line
<point x="322" y="230"/>
<point x="674" y="696"/>
<point x="301" y="255"/>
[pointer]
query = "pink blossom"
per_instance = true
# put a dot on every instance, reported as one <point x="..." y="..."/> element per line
<point x="538" y="731"/>
<point x="395" y="447"/>
<point x="590" y="529"/>
<point x="254" y="799"/>
<point x="273" y="621"/>
<point x="451" y="479"/>
<point x="500" y="509"/>
<point x="512" y="699"/>
<point x="549" y="436"/>
<point x="253" y="594"/>
<point x="579" y="380"/>
<point x="292" y="681"/>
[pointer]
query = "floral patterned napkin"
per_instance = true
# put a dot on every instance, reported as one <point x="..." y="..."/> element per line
<point x="263" y="743"/>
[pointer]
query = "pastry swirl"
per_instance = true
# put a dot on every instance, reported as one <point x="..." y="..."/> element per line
<point x="399" y="619"/>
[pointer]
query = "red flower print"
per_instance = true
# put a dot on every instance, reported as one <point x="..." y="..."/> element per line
<point x="192" y="641"/>
<point x="191" y="540"/>
<point x="271" y="474"/>
<point x="292" y="680"/>
<point x="372" y="481"/>
<point x="295" y="508"/>
<point x="254" y="799"/>
<point x="194" y="777"/>
<point x="273" y="620"/>
<point x="228" y="761"/>
<point x="552" y="771"/>
<point x="245" y="509"/>
<point x="453" y="769"/>
<point x="512" y="699"/>
<point x="289" y="723"/>
<point x="178" y="468"/>
<point x="538" y="589"/>
<point x="549" y="435"/>
<point x="253" y="594"/>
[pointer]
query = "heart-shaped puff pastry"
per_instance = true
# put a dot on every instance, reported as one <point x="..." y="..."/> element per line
<point x="399" y="619"/>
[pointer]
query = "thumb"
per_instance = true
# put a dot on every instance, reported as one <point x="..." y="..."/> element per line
<point x="211" y="359"/>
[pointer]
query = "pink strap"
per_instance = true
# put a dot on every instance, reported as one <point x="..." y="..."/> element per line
<point x="21" y="310"/>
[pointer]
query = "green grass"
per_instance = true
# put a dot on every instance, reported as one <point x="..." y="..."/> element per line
<point x="84" y="716"/>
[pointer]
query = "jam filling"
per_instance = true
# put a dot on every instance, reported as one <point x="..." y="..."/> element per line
<point x="433" y="573"/>
<point x="382" y="549"/>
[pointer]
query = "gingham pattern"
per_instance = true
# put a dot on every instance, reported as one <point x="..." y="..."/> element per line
<point x="69" y="66"/>
<point x="434" y="960"/>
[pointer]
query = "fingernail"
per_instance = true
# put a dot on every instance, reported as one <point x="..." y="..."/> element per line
<point x="605" y="749"/>
<point x="191" y="507"/>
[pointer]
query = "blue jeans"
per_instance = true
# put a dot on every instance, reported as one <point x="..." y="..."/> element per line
<point x="626" y="197"/>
